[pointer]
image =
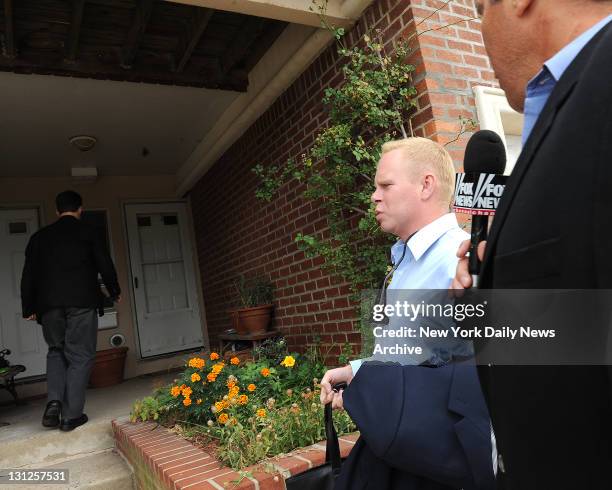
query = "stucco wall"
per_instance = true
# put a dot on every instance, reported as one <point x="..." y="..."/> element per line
<point x="106" y="193"/>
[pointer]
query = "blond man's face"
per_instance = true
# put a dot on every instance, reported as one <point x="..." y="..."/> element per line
<point x="397" y="196"/>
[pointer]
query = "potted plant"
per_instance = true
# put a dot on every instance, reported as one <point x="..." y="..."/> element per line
<point x="255" y="312"/>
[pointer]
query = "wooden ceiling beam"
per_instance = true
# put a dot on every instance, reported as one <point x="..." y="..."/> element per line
<point x="236" y="80"/>
<point x="198" y="25"/>
<point x="241" y="43"/>
<point x="9" y="34"/>
<point x="137" y="30"/>
<point x="294" y="11"/>
<point x="72" y="46"/>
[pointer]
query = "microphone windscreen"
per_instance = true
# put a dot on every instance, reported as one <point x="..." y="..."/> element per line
<point x="485" y="153"/>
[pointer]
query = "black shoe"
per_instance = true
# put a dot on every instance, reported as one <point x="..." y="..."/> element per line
<point x="53" y="412"/>
<point x="71" y="424"/>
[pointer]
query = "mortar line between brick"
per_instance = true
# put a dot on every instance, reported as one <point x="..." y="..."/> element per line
<point x="306" y="460"/>
<point x="285" y="473"/>
<point x="187" y="463"/>
<point x="171" y="450"/>
<point x="170" y="475"/>
<point x="159" y="441"/>
<point x="255" y="482"/>
<point x="168" y="459"/>
<point x="212" y="480"/>
<point x="200" y="473"/>
<point x="180" y="459"/>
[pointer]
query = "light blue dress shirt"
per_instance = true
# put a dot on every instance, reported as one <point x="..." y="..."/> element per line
<point x="541" y="86"/>
<point x="430" y="262"/>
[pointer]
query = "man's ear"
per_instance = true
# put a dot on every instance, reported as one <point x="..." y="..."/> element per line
<point x="521" y="6"/>
<point x="428" y="184"/>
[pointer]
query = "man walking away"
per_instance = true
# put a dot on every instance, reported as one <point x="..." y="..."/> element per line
<point x="60" y="290"/>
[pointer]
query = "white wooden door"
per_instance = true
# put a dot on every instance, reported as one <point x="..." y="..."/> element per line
<point x="23" y="338"/>
<point x="163" y="278"/>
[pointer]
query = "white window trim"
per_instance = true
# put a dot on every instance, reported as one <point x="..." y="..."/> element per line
<point x="494" y="113"/>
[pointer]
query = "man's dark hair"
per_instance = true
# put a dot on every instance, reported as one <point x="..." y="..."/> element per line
<point x="68" y="201"/>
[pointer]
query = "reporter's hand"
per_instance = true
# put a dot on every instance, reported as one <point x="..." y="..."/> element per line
<point x="330" y="378"/>
<point x="31" y="318"/>
<point x="338" y="402"/>
<point x="463" y="278"/>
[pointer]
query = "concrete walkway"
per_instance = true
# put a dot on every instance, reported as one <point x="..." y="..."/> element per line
<point x="88" y="451"/>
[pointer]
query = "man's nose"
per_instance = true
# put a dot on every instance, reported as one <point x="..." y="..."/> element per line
<point x="375" y="198"/>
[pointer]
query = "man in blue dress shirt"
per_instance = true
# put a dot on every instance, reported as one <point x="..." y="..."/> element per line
<point x="414" y="189"/>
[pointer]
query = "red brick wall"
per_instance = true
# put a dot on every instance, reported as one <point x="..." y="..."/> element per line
<point x="236" y="233"/>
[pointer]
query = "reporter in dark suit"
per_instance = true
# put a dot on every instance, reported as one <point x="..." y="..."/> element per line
<point x="554" y="60"/>
<point x="60" y="289"/>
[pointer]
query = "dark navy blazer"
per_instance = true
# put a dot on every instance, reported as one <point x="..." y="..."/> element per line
<point x="421" y="428"/>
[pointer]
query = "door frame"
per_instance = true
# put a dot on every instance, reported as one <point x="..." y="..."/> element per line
<point x="190" y="231"/>
<point x="39" y="207"/>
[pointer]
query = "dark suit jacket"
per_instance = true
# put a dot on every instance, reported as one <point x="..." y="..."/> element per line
<point x="61" y="268"/>
<point x="554" y="230"/>
<point x="421" y="428"/>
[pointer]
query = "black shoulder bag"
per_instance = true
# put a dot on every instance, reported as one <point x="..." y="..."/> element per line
<point x="323" y="477"/>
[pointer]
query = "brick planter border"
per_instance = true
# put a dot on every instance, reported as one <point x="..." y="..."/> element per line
<point x="163" y="460"/>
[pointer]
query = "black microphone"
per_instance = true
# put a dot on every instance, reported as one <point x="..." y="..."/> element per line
<point x="485" y="158"/>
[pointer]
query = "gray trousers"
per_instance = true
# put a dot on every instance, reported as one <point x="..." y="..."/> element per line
<point x="71" y="334"/>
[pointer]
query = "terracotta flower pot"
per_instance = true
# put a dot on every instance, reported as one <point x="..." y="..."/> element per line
<point x="236" y="324"/>
<point x="255" y="319"/>
<point x="108" y="367"/>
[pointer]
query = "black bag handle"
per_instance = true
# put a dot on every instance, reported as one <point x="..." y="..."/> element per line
<point x="332" y="450"/>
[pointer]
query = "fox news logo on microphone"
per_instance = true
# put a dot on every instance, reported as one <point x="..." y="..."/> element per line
<point x="478" y="194"/>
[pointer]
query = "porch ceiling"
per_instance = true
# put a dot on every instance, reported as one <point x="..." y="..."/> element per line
<point x="210" y="68"/>
<point x="142" y="129"/>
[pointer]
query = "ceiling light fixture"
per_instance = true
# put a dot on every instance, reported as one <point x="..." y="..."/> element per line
<point x="83" y="142"/>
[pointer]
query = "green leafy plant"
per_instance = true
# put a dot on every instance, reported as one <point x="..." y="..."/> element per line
<point x="365" y="111"/>
<point x="248" y="410"/>
<point x="254" y="292"/>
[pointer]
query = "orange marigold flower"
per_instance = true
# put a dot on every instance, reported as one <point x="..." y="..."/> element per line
<point x="265" y="372"/>
<point x="243" y="399"/>
<point x="231" y="383"/>
<point x="196" y="362"/>
<point x="187" y="401"/>
<point x="233" y="421"/>
<point x="251" y="387"/>
<point x="175" y="391"/>
<point x="235" y="361"/>
<point x="187" y="392"/>
<point x="195" y="377"/>
<point x="225" y="404"/>
<point x="223" y="418"/>
<point x="219" y="406"/>
<point x="183" y="386"/>
<point x="217" y="368"/>
<point x="214" y="356"/>
<point x="211" y="377"/>
<point x="233" y="392"/>
<point x="261" y="413"/>
<point x="198" y="401"/>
